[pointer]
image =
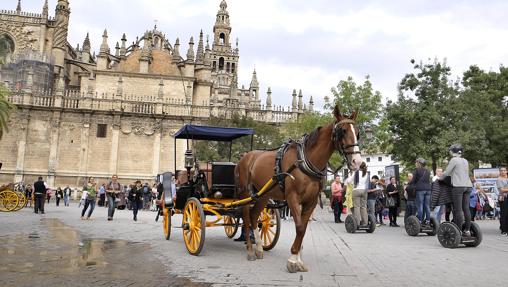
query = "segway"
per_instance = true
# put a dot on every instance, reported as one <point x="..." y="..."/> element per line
<point x="352" y="226"/>
<point x="450" y="236"/>
<point x="414" y="226"/>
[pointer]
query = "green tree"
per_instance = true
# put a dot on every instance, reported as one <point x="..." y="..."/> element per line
<point x="421" y="121"/>
<point x="350" y="96"/>
<point x="5" y="108"/>
<point x="483" y="99"/>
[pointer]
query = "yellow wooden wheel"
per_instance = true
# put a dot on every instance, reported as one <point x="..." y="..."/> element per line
<point x="269" y="227"/>
<point x="21" y="202"/>
<point x="230" y="226"/>
<point x="166" y="222"/>
<point x="193" y="225"/>
<point x="9" y="199"/>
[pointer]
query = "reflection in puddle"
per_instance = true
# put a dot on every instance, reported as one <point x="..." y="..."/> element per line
<point x="61" y="255"/>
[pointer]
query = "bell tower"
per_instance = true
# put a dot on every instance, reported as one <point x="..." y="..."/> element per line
<point x="224" y="58"/>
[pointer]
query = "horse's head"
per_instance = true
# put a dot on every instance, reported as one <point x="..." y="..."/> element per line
<point x="345" y="138"/>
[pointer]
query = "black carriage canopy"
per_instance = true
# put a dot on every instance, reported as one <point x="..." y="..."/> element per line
<point x="211" y="133"/>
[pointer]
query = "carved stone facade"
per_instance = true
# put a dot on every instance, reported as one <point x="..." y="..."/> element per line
<point x="81" y="115"/>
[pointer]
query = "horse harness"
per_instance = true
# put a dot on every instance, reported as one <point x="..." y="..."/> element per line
<point x="303" y="163"/>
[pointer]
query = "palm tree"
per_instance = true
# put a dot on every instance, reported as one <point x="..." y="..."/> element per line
<point x="5" y="108"/>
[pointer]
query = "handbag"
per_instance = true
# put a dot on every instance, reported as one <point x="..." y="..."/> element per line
<point x="390" y="201"/>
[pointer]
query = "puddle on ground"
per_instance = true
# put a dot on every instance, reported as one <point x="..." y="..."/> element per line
<point x="60" y="257"/>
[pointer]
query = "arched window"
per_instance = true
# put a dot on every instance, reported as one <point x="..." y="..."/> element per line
<point x="227" y="67"/>
<point x="222" y="38"/>
<point x="221" y="63"/>
<point x="233" y="68"/>
<point x="6" y="48"/>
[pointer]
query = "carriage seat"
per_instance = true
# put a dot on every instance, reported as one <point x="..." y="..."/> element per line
<point x="223" y="179"/>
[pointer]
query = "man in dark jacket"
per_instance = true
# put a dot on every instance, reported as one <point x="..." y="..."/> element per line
<point x="421" y="183"/>
<point x="40" y="188"/>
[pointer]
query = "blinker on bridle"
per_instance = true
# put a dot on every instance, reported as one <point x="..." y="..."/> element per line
<point x="338" y="134"/>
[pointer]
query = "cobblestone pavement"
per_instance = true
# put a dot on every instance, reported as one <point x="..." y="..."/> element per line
<point x="388" y="257"/>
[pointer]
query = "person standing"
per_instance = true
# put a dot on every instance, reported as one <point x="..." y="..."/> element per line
<point x="360" y="182"/>
<point x="473" y="201"/>
<point x="29" y="195"/>
<point x="392" y="191"/>
<point x="146" y="196"/>
<point x="67" y="195"/>
<point x="372" y="195"/>
<point x="58" y="195"/>
<point x="502" y="187"/>
<point x="410" y="195"/>
<point x="102" y="194"/>
<point x="48" y="194"/>
<point x="438" y="210"/>
<point x="457" y="169"/>
<point x="112" y="189"/>
<point x="421" y="182"/>
<point x="336" y="202"/>
<point x="136" y="198"/>
<point x="91" y="197"/>
<point x="40" y="189"/>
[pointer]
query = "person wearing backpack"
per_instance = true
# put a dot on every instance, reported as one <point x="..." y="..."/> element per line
<point x="421" y="183"/>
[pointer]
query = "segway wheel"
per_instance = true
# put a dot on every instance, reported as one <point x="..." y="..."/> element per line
<point x="350" y="224"/>
<point x="449" y="235"/>
<point x="372" y="224"/>
<point x="476" y="233"/>
<point x="412" y="225"/>
<point x="434" y="225"/>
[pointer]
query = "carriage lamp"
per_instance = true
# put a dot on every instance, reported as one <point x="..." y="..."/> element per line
<point x="189" y="159"/>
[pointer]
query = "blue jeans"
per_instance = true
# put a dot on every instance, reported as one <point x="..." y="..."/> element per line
<point x="88" y="203"/>
<point x="111" y="206"/>
<point x="438" y="212"/>
<point x="66" y="200"/>
<point x="371" y="207"/>
<point x="136" y="205"/>
<point x="423" y="204"/>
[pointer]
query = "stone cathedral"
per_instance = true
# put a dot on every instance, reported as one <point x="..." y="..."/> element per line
<point x="81" y="114"/>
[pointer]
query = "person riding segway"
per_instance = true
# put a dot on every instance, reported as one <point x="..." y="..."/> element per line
<point x="360" y="220"/>
<point x="423" y="222"/>
<point x="461" y="229"/>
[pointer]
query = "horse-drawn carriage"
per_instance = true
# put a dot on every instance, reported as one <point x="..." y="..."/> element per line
<point x="206" y="196"/>
<point x="293" y="175"/>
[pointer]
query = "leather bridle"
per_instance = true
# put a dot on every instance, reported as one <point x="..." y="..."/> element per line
<point x="337" y="136"/>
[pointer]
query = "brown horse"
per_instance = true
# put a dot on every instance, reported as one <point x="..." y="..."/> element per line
<point x="301" y="188"/>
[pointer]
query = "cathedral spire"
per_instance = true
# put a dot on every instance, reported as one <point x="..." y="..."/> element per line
<point x="104" y="50"/>
<point x="123" y="49"/>
<point x="86" y="44"/>
<point x="311" y="104"/>
<point x="269" y="99"/>
<point x="300" y="101"/>
<point x="200" y="59"/>
<point x="254" y="82"/>
<point x="176" y="51"/>
<point x="117" y="50"/>
<point x="18" y="8"/>
<point x="45" y="10"/>
<point x="294" y="103"/>
<point x="190" y="52"/>
<point x="222" y="28"/>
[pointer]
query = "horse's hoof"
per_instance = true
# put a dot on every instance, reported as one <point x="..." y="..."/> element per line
<point x="251" y="257"/>
<point x="301" y="267"/>
<point x="259" y="254"/>
<point x="292" y="267"/>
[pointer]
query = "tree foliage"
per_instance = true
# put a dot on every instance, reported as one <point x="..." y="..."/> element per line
<point x="5" y="108"/>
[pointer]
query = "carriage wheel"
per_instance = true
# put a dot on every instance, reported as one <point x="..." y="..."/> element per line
<point x="412" y="225"/>
<point x="476" y="233"/>
<point x="21" y="202"/>
<point x="231" y="226"/>
<point x="10" y="200"/>
<point x="448" y="235"/>
<point x="193" y="226"/>
<point x="269" y="228"/>
<point x="166" y="222"/>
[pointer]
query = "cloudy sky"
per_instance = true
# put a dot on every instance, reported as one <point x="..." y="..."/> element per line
<point x="312" y="45"/>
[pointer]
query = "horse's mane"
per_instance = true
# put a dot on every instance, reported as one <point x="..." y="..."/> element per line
<point x="313" y="136"/>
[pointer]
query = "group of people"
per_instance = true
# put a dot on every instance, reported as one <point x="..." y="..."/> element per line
<point x="367" y="195"/>
<point x="114" y="195"/>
